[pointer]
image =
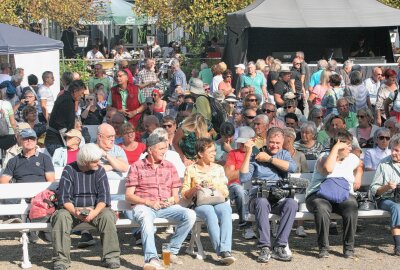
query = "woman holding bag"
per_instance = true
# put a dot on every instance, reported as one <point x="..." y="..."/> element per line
<point x="338" y="173"/>
<point x="199" y="179"/>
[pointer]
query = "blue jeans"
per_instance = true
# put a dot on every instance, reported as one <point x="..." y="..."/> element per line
<point x="238" y="194"/>
<point x="219" y="224"/>
<point x="394" y="209"/>
<point x="145" y="217"/>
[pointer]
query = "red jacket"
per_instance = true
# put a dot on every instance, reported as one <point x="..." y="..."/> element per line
<point x="132" y="101"/>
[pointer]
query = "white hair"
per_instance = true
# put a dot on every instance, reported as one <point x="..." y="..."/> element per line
<point x="89" y="153"/>
<point x="161" y="133"/>
<point x="262" y="117"/>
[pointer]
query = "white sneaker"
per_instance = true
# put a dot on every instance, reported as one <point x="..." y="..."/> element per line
<point x="288" y="251"/>
<point x="249" y="234"/>
<point x="300" y="231"/>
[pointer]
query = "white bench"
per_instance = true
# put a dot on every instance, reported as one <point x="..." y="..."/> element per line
<point x="117" y="187"/>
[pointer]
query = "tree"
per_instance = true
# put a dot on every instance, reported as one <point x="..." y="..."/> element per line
<point x="392" y="3"/>
<point x="25" y="13"/>
<point x="189" y="14"/>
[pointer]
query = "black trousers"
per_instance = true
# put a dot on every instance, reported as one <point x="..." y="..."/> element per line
<point x="322" y="209"/>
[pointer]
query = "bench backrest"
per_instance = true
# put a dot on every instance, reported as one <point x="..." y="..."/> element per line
<point x="30" y="190"/>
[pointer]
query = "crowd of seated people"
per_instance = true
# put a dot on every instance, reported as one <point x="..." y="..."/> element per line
<point x="171" y="146"/>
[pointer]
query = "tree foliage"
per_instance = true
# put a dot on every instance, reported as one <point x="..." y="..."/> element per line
<point x="189" y="13"/>
<point x="25" y="13"/>
<point x="392" y="3"/>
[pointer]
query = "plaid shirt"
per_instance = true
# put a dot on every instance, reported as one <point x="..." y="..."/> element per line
<point x="146" y="76"/>
<point x="153" y="184"/>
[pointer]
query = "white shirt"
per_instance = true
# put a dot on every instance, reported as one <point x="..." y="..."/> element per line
<point x="4" y="77"/>
<point x="215" y="82"/>
<point x="373" y="156"/>
<point x="45" y="93"/>
<point x="97" y="55"/>
<point x="372" y="88"/>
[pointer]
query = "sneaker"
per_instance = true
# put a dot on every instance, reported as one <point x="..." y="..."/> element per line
<point x="300" y="231"/>
<point x="112" y="264"/>
<point x="175" y="259"/>
<point x="323" y="253"/>
<point x="170" y="229"/>
<point x="348" y="254"/>
<point x="227" y="258"/>
<point x="279" y="253"/>
<point x="333" y="229"/>
<point x="86" y="240"/>
<point x="153" y="264"/>
<point x="249" y="234"/>
<point x="265" y="255"/>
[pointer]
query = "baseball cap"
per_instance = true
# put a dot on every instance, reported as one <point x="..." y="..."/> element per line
<point x="245" y="134"/>
<point x="240" y="66"/>
<point x="28" y="133"/>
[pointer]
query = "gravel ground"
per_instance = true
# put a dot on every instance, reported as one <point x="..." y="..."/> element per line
<point x="374" y="250"/>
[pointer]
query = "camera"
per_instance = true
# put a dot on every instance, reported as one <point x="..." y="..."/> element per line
<point x="274" y="191"/>
<point x="397" y="193"/>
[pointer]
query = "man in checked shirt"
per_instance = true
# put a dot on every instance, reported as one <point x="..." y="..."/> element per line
<point x="152" y="187"/>
<point x="84" y="196"/>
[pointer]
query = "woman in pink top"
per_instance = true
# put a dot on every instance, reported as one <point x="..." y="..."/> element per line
<point x="317" y="94"/>
<point x="226" y="85"/>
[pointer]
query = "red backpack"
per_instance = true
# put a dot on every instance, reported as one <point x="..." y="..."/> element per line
<point x="43" y="204"/>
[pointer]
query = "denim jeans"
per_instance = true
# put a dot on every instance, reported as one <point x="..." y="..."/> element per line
<point x="145" y="217"/>
<point x="394" y="209"/>
<point x="219" y="224"/>
<point x="239" y="194"/>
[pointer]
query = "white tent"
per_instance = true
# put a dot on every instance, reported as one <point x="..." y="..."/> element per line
<point x="32" y="52"/>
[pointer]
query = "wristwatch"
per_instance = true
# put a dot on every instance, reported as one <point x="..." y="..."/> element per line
<point x="270" y="160"/>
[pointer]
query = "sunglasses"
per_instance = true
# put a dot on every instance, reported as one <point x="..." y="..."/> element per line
<point x="208" y="88"/>
<point x="288" y="107"/>
<point x="167" y="126"/>
<point x="89" y="99"/>
<point x="383" y="138"/>
<point x="249" y="117"/>
<point x="154" y="95"/>
<point x="296" y="63"/>
<point x="231" y="102"/>
<point x="268" y="111"/>
<point x="318" y="117"/>
<point x="252" y="100"/>
<point x="361" y="116"/>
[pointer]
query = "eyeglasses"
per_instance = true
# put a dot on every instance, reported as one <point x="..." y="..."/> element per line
<point x="208" y="88"/>
<point x="252" y="100"/>
<point x="383" y="138"/>
<point x="89" y="99"/>
<point x="249" y="117"/>
<point x="361" y="116"/>
<point x="167" y="126"/>
<point x="231" y="102"/>
<point x="268" y="111"/>
<point x="29" y="139"/>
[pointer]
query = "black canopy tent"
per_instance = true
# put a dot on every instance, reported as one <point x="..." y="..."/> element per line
<point x="312" y="26"/>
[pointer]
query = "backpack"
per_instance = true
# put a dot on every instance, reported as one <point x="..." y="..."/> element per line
<point x="218" y="113"/>
<point x="43" y="204"/>
<point x="4" y="128"/>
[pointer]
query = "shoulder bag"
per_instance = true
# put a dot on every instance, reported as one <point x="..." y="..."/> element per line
<point x="334" y="189"/>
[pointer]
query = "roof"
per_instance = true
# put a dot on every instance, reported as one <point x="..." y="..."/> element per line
<point x="314" y="14"/>
<point x="17" y="40"/>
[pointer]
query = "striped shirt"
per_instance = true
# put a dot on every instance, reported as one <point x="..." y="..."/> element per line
<point x="83" y="189"/>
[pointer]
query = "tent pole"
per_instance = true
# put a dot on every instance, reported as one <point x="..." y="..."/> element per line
<point x="63" y="59"/>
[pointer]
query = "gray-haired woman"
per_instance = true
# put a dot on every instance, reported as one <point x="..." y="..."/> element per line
<point x="383" y="187"/>
<point x="365" y="130"/>
<point x="308" y="143"/>
<point x="373" y="156"/>
<point x="316" y="115"/>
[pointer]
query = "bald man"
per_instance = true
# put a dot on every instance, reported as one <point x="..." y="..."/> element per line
<point x="114" y="158"/>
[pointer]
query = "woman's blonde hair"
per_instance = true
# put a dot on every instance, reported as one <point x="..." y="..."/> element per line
<point x="260" y="64"/>
<point x="197" y="123"/>
<point x="325" y="77"/>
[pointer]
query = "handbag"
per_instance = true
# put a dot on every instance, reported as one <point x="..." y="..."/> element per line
<point x="334" y="189"/>
<point x="209" y="196"/>
<point x="364" y="202"/>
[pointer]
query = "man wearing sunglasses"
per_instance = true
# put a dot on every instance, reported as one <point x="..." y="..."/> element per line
<point x="270" y="110"/>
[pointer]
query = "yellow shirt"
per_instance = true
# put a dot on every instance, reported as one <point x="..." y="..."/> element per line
<point x="216" y="176"/>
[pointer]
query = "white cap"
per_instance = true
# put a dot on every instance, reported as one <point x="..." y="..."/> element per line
<point x="240" y="66"/>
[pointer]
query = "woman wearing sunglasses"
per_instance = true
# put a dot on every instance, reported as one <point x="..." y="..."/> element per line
<point x="226" y="85"/>
<point x="365" y="130"/>
<point x="159" y="104"/>
<point x="373" y="156"/>
<point x="92" y="114"/>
